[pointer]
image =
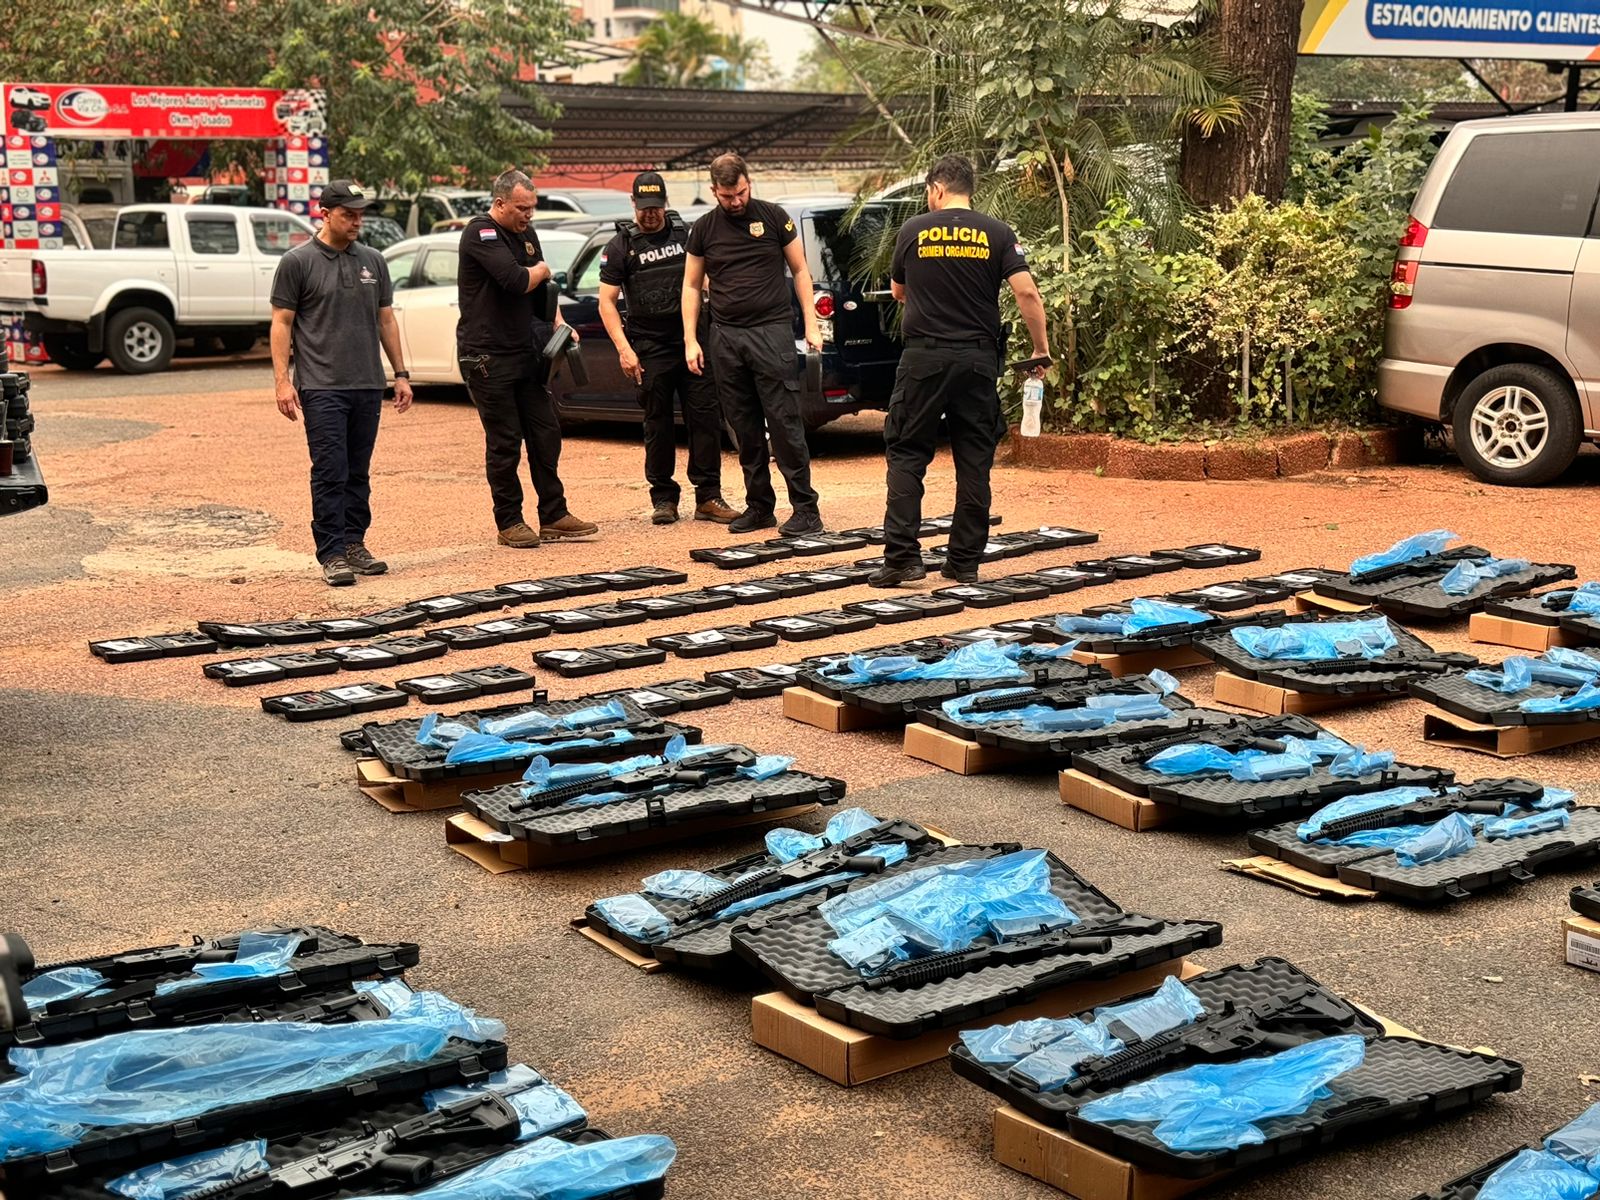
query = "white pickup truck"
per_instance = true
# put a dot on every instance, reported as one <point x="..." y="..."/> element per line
<point x="173" y="271"/>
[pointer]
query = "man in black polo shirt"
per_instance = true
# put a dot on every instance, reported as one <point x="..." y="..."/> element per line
<point x="742" y="246"/>
<point x="330" y="306"/>
<point x="949" y="264"/>
<point x="645" y="262"/>
<point x="503" y="291"/>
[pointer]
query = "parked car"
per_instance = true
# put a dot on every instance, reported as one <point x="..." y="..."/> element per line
<point x="88" y="226"/>
<point x="380" y="232"/>
<point x="173" y="271"/>
<point x="419" y="214"/>
<point x="1494" y="309"/>
<point x="592" y="202"/>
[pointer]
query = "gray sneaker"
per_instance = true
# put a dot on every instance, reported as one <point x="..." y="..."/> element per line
<point x="336" y="571"/>
<point x="361" y="560"/>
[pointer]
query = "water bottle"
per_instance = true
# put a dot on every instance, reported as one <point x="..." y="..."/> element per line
<point x="1032" y="403"/>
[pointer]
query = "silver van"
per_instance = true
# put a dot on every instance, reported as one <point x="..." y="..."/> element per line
<point x="1494" y="313"/>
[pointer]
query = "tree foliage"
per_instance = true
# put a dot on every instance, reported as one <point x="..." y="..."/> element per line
<point x="684" y="51"/>
<point x="414" y="89"/>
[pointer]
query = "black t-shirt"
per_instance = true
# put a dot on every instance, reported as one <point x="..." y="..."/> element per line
<point x="952" y="264"/>
<point x="745" y="263"/>
<point x="497" y="310"/>
<point x="652" y="336"/>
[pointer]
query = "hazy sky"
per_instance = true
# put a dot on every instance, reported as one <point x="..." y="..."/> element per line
<point x="786" y="41"/>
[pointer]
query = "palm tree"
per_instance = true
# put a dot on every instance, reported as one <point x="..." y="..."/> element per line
<point x="683" y="51"/>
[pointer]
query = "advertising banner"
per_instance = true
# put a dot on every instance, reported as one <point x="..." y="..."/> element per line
<point x="116" y="111"/>
<point x="1544" y="31"/>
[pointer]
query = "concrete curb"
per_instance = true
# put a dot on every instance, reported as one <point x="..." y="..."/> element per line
<point x="1234" y="458"/>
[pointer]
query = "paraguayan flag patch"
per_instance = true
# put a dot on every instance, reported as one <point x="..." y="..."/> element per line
<point x="488" y="235"/>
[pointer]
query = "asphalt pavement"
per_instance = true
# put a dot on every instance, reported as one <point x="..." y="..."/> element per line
<point x="141" y="803"/>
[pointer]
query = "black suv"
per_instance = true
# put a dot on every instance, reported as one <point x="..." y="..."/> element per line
<point x="860" y="324"/>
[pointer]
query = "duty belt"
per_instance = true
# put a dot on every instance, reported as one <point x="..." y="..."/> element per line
<point x="933" y="343"/>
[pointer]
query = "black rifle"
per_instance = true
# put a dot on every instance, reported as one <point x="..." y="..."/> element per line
<point x="1230" y="738"/>
<point x="169" y="960"/>
<point x="846" y="856"/>
<point x="378" y="1156"/>
<point x="1234" y="1032"/>
<point x="1437" y="664"/>
<point x="1425" y="564"/>
<point x="1086" y="937"/>
<point x="690" y="772"/>
<point x="1421" y="812"/>
<point x="1062" y="695"/>
<point x="16" y="961"/>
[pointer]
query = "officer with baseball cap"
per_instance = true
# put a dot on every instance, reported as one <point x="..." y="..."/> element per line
<point x="644" y="262"/>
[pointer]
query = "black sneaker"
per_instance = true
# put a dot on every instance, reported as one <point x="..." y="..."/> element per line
<point x="361" y="560"/>
<point x="337" y="572"/>
<point x="950" y="572"/>
<point x="801" y="524"/>
<point x="888" y="577"/>
<point x="750" y="520"/>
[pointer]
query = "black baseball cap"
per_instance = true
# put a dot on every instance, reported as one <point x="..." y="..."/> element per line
<point x="346" y="193"/>
<point x="649" y="190"/>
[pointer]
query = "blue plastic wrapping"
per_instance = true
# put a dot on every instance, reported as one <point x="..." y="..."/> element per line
<point x="1053" y="1066"/>
<point x="1356" y="762"/>
<point x="179" y="1178"/>
<point x="543" y="774"/>
<point x="536" y="721"/>
<point x="259" y="955"/>
<point x="1539" y="1175"/>
<point x="762" y="899"/>
<point x="1578" y="1141"/>
<point x="683" y="884"/>
<point x="1076" y="623"/>
<point x="1418" y="545"/>
<point x="513" y="1078"/>
<point x="1170" y="1006"/>
<point x="1350" y="806"/>
<point x="1214" y="1106"/>
<point x="1384" y="839"/>
<point x="1555" y="797"/>
<point x="1585" y="600"/>
<point x="635" y="916"/>
<point x="1498" y="829"/>
<point x="1569" y="659"/>
<point x="847" y="823"/>
<point x="550" y="1169"/>
<point x="1195" y="758"/>
<point x="987" y="659"/>
<point x="890" y="852"/>
<point x="484" y="747"/>
<point x="152" y="1076"/>
<point x="1444" y="839"/>
<point x="1315" y="641"/>
<point x="1512" y="676"/>
<point x="64" y="983"/>
<point x="766" y="766"/>
<point x="786" y="845"/>
<point x="1464" y="578"/>
<point x="441" y="734"/>
<point x="1584" y="699"/>
<point x="1030" y="913"/>
<point x="1002" y="1045"/>
<point x="874" y="946"/>
<point x="1151" y="614"/>
<point x="542" y="1107"/>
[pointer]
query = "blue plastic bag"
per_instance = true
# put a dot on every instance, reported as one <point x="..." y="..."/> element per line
<point x="786" y="845"/>
<point x="259" y="955"/>
<point x="1555" y="797"/>
<point x="1585" y="601"/>
<point x="440" y="734"/>
<point x="484" y="747"/>
<point x="1002" y="1045"/>
<point x="766" y="766"/>
<point x="1465" y="577"/>
<point x="513" y="1078"/>
<point x="178" y="1178"/>
<point x="1578" y="1141"/>
<point x="64" y="983"/>
<point x="1152" y="614"/>
<point x="1445" y="839"/>
<point x="1418" y="545"/>
<point x="1317" y="641"/>
<point x="543" y="1108"/>
<point x="987" y="659"/>
<point x="1498" y="829"/>
<point x="1194" y="758"/>
<point x="1170" y="1006"/>
<point x="1539" y="1175"/>
<point x="872" y="947"/>
<point x="1051" y="1067"/>
<point x="1356" y="762"/>
<point x="537" y="721"/>
<point x="763" y="899"/>
<point x="1214" y="1106"/>
<point x="550" y="1169"/>
<point x="1077" y="623"/>
<point x="683" y="884"/>
<point x="1584" y="699"/>
<point x="1350" y="806"/>
<point x="1296" y="760"/>
<point x="1569" y="659"/>
<point x="847" y="823"/>
<point x="1512" y="676"/>
<point x="635" y="916"/>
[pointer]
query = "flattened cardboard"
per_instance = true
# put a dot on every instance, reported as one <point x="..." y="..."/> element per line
<point x="956" y="754"/>
<point x="835" y="716"/>
<point x="1310" y="602"/>
<point x="1100" y="799"/>
<point x="1524" y="635"/>
<point x="398" y="795"/>
<point x="1503" y="741"/>
<point x="1296" y="879"/>
<point x="850" y="1057"/>
<point x="1272" y="700"/>
<point x="1582" y="939"/>
<point x="497" y="853"/>
<point x="648" y="965"/>
<point x="1142" y="662"/>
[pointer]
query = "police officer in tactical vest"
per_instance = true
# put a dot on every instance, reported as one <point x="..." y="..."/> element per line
<point x="645" y="262"/>
<point x="948" y="268"/>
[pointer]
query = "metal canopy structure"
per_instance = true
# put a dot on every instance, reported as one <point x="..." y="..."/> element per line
<point x="608" y="127"/>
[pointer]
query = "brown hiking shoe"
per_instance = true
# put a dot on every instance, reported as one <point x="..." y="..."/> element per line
<point x="714" y="510"/>
<point x="361" y="560"/>
<point x="520" y="536"/>
<point x="569" y="527"/>
<point x="336" y="571"/>
<point x="665" y="513"/>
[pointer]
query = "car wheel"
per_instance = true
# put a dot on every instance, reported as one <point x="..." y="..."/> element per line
<point x="139" y="340"/>
<point x="237" y="341"/>
<point x="1517" y="425"/>
<point x="71" y="350"/>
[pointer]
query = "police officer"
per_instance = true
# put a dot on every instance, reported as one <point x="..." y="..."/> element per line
<point x="743" y="246"/>
<point x="500" y="281"/>
<point x="949" y="264"/>
<point x="645" y="261"/>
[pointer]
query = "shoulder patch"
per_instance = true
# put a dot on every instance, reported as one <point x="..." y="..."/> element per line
<point x="488" y="235"/>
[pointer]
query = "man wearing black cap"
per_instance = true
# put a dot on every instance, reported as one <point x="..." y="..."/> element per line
<point x="330" y="306"/>
<point x="645" y="262"/>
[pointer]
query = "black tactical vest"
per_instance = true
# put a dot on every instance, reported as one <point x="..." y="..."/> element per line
<point x="654" y="275"/>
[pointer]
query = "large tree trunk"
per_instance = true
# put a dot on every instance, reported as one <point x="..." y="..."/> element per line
<point x="1259" y="38"/>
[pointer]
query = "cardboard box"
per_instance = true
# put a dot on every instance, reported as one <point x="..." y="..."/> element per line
<point x="835" y="716"/>
<point x="1100" y="799"/>
<point x="850" y="1057"/>
<point x="648" y="965"/>
<point x="957" y="754"/>
<point x="1296" y="879"/>
<point x="498" y="852"/>
<point x="1503" y="741"/>
<point x="1582" y="937"/>
<point x="375" y="781"/>
<point x="1050" y="1156"/>
<point x="1310" y="602"/>
<point x="1524" y="635"/>
<point x="1229" y="688"/>
<point x="1142" y="662"/>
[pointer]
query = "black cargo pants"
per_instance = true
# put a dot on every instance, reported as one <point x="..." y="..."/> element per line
<point x="509" y="392"/>
<point x="758" y="379"/>
<point x="664" y="380"/>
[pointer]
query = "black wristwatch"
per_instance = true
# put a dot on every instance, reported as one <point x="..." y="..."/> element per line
<point x="402" y="374"/>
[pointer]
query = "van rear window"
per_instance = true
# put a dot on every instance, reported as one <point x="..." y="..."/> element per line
<point x="841" y="250"/>
<point x="1538" y="183"/>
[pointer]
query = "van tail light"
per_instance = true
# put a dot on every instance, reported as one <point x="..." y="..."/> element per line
<point x="1402" y="283"/>
<point x="1416" y="233"/>
<point x="823" y="302"/>
<point x="40" y="280"/>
